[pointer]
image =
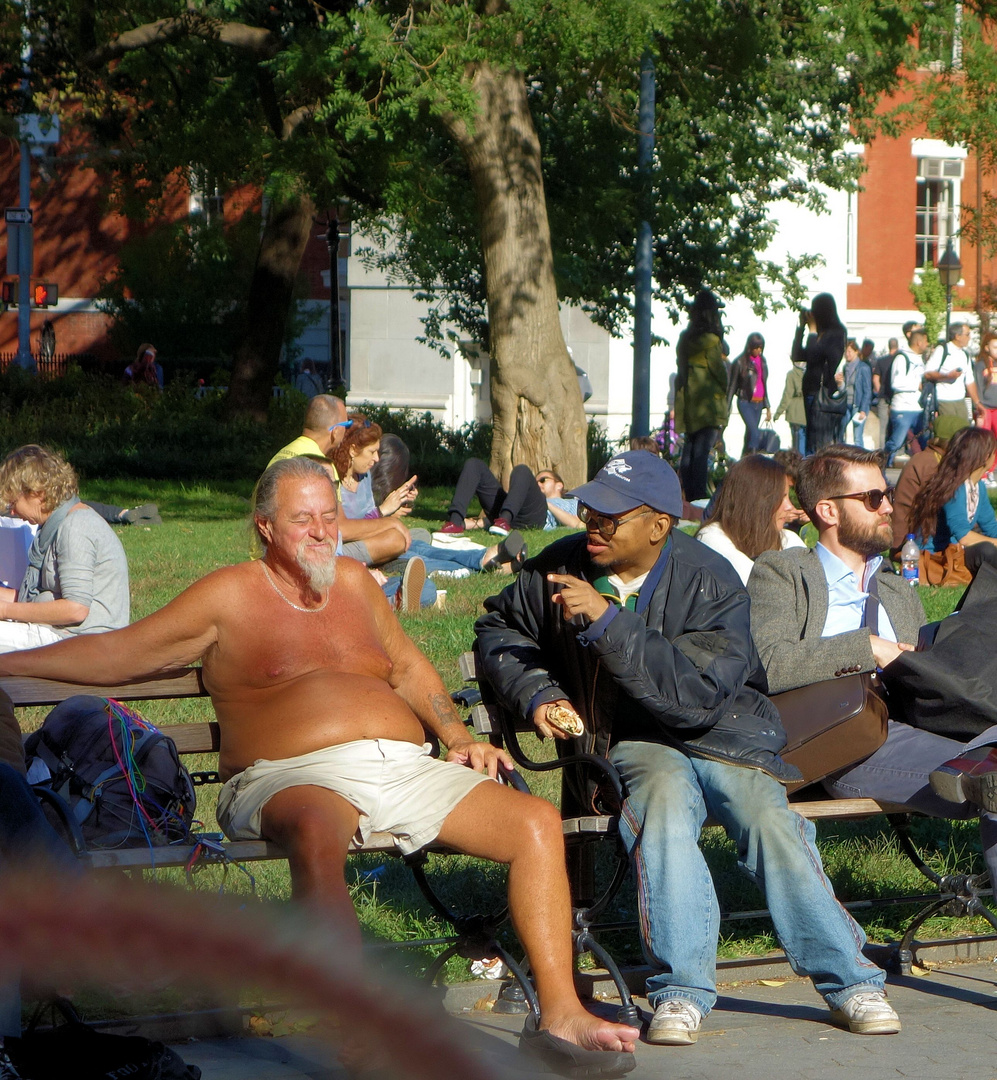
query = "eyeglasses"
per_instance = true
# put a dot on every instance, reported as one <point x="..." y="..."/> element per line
<point x="873" y="499"/>
<point x="544" y="479"/>
<point x="605" y="525"/>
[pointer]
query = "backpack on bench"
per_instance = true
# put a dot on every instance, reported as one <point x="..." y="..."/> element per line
<point x="120" y="775"/>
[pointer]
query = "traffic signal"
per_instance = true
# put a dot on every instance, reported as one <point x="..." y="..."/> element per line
<point x="45" y="294"/>
<point x="8" y="293"/>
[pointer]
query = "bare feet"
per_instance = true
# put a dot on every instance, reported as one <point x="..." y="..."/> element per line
<point x="592" y="1032"/>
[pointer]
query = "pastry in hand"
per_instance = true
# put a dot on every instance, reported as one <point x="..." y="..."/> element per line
<point x="566" y="720"/>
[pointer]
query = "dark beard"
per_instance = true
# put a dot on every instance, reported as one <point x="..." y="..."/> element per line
<point x="865" y="541"/>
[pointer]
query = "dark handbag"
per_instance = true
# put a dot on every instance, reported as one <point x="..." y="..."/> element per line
<point x="836" y="404"/>
<point x="768" y="441"/>
<point x="832" y="724"/>
<point x="949" y="687"/>
<point x="74" y="1049"/>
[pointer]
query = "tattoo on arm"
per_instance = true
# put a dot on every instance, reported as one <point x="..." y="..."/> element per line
<point x="446" y="716"/>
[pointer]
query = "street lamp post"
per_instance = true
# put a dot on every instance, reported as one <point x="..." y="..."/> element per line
<point x="950" y="273"/>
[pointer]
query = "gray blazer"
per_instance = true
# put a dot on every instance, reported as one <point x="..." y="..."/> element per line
<point x="788" y="593"/>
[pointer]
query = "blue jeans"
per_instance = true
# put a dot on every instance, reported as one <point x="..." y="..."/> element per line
<point x="442" y="558"/>
<point x="799" y="439"/>
<point x="669" y="797"/>
<point x="900" y="424"/>
<point x="751" y="414"/>
<point x="858" y="430"/>
<point x="898" y="773"/>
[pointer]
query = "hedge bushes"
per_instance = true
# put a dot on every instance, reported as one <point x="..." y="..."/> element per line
<point x="109" y="430"/>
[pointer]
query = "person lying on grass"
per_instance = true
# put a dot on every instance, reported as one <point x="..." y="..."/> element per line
<point x="325" y="708"/>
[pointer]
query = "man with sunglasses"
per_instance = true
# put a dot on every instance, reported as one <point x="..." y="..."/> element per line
<point x="646" y="635"/>
<point x="840" y="609"/>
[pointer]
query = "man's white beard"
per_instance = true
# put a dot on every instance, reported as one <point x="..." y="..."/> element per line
<point x="320" y="575"/>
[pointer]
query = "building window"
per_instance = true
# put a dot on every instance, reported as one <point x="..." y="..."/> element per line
<point x="938" y="188"/>
<point x="205" y="197"/>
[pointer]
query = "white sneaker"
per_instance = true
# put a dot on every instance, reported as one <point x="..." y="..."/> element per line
<point x="460" y="572"/>
<point x="675" y="1023"/>
<point x="868" y="1013"/>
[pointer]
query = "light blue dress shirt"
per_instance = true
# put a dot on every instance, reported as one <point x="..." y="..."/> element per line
<point x="846" y="596"/>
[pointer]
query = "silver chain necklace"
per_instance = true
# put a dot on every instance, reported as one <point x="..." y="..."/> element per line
<point x="306" y="610"/>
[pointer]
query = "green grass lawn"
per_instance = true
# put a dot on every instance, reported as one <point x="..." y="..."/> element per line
<point x="207" y="526"/>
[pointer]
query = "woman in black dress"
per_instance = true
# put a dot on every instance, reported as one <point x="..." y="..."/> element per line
<point x="822" y="354"/>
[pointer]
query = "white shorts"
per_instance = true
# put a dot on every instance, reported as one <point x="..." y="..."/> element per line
<point x="15" y="636"/>
<point x="398" y="788"/>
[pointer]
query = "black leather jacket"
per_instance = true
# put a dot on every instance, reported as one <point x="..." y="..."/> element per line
<point x="681" y="669"/>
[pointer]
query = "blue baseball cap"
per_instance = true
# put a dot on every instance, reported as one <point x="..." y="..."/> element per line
<point x="626" y="481"/>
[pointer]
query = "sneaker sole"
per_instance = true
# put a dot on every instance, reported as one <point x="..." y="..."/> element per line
<point x="670" y="1037"/>
<point x="866" y="1027"/>
<point x="497" y="532"/>
<point x="959" y="787"/>
<point x="412" y="582"/>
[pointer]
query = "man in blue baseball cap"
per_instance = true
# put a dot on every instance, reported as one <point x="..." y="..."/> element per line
<point x="642" y="636"/>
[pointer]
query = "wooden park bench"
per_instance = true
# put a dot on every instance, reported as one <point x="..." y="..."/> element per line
<point x="475" y="934"/>
<point x="956" y="894"/>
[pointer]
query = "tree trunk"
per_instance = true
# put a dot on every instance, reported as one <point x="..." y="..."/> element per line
<point x="271" y="291"/>
<point x="536" y="403"/>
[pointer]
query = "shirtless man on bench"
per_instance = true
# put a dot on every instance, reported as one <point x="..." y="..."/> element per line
<point x="309" y="670"/>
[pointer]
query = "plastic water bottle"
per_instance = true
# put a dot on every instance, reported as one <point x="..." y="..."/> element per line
<point x="910" y="555"/>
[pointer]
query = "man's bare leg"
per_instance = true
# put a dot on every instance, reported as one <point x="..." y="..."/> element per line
<point x="314" y="826"/>
<point x="495" y="822"/>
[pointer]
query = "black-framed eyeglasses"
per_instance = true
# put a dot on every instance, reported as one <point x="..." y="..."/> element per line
<point x="873" y="500"/>
<point x="605" y="525"/>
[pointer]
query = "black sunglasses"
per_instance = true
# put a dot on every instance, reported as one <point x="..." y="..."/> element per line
<point x="873" y="499"/>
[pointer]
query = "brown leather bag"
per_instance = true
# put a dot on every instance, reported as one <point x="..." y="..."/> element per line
<point x="832" y="724"/>
<point x="946" y="567"/>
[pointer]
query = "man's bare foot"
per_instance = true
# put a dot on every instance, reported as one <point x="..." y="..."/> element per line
<point x="592" y="1032"/>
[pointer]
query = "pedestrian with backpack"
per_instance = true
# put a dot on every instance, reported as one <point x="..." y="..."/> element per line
<point x="906" y="376"/>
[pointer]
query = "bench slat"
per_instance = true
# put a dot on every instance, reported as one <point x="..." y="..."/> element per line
<point x="185" y="682"/>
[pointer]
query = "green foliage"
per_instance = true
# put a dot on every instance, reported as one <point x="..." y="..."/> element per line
<point x="183" y="286"/>
<point x="929" y="295"/>
<point x="110" y="431"/>
<point x="754" y="105"/>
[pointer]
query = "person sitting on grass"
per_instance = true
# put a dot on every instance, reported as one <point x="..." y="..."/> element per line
<point x="77" y="577"/>
<point x="523" y="506"/>
<point x="326" y="709"/>
<point x="355" y="456"/>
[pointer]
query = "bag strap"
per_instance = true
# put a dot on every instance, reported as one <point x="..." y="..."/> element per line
<point x="870" y="614"/>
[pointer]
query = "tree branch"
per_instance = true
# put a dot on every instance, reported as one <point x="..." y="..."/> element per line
<point x="252" y="39"/>
<point x="300" y="114"/>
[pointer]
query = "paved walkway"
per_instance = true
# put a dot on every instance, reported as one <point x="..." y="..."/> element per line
<point x="757" y="1032"/>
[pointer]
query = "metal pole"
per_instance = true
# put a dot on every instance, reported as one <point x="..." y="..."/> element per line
<point x="24" y="358"/>
<point x="25" y="246"/>
<point x="641" y="406"/>
<point x="336" y="374"/>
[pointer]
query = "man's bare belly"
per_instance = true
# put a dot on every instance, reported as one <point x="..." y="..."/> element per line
<point x="314" y="710"/>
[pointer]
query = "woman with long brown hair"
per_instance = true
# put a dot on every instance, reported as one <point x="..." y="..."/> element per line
<point x="752" y="509"/>
<point x="953" y="507"/>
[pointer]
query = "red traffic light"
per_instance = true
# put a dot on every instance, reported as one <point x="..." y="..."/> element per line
<point x="45" y="294"/>
<point x="8" y="292"/>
